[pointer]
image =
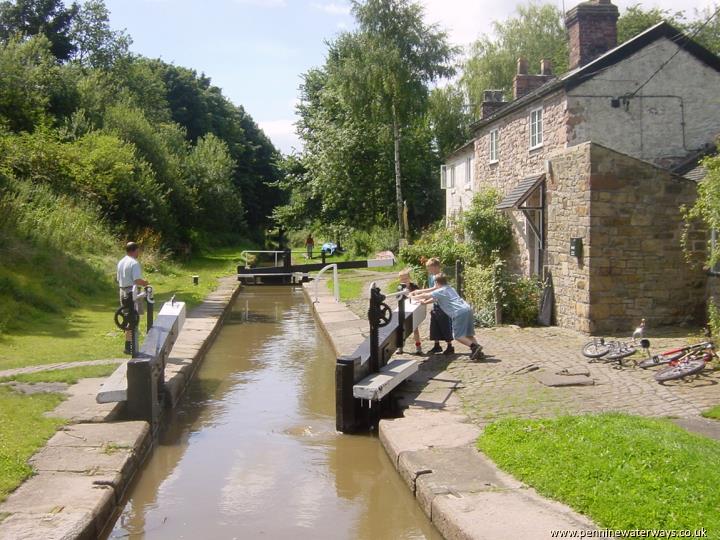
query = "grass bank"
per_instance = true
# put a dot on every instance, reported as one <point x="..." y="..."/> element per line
<point x="23" y="429"/>
<point x="622" y="471"/>
<point x="83" y="329"/>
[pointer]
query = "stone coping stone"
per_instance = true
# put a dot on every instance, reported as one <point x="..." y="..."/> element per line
<point x="119" y="434"/>
<point x="429" y="429"/>
<point x="82" y="406"/>
<point x="502" y="515"/>
<point x="65" y="505"/>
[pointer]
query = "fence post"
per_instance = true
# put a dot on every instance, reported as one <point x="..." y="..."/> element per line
<point x="401" y="322"/>
<point x="150" y="306"/>
<point x="459" y="277"/>
<point x="322" y="256"/>
<point x="374" y="316"/>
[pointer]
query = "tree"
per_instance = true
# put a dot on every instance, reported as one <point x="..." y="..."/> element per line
<point x="388" y="66"/>
<point x="29" y="82"/>
<point x="536" y="32"/>
<point x="34" y="17"/>
<point x="636" y="20"/>
<point x="96" y="45"/>
<point x="449" y="118"/>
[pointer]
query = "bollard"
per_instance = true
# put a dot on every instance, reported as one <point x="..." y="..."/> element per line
<point x="322" y="256"/>
<point x="345" y="403"/>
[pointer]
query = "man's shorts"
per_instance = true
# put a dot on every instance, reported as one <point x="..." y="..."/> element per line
<point x="139" y="306"/>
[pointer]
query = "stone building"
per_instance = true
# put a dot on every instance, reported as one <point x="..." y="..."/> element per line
<point x="590" y="167"/>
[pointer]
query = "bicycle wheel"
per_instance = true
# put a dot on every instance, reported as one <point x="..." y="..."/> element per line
<point x="595" y="349"/>
<point x="659" y="360"/>
<point x="684" y="369"/>
<point x="621" y="352"/>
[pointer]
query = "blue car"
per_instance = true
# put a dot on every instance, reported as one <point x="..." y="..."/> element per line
<point x="329" y="248"/>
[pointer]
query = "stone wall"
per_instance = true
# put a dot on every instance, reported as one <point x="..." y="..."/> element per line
<point x="677" y="112"/>
<point x="568" y="216"/>
<point x="516" y="161"/>
<point x="638" y="268"/>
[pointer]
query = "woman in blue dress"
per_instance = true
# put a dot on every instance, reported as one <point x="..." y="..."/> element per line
<point x="459" y="311"/>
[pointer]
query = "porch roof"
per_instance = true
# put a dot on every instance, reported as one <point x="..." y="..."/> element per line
<point x="521" y="192"/>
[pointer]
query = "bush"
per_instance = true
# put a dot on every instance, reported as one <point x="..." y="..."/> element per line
<point x="518" y="296"/>
<point x="489" y="229"/>
<point x="438" y="241"/>
<point x="366" y="243"/>
<point x="713" y="315"/>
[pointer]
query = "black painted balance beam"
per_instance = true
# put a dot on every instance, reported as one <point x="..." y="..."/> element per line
<point x="314" y="267"/>
<point x="356" y="368"/>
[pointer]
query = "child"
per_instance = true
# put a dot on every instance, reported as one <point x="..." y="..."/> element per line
<point x="405" y="283"/>
<point x="457" y="309"/>
<point x="440" y="324"/>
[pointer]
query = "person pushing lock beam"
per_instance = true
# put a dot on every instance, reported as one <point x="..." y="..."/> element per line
<point x="129" y="273"/>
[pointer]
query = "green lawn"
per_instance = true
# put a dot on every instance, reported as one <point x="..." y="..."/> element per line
<point x="624" y="472"/>
<point x="350" y="289"/>
<point x="713" y="413"/>
<point x="87" y="332"/>
<point x="68" y="376"/>
<point x="23" y="429"/>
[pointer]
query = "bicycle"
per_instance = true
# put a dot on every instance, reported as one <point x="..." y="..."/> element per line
<point x="692" y="362"/>
<point x="615" y="350"/>
<point x="667" y="357"/>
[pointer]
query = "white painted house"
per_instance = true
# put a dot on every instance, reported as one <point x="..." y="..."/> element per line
<point x="457" y="180"/>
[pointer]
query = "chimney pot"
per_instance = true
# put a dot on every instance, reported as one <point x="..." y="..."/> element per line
<point x="522" y="66"/>
<point x="545" y="67"/>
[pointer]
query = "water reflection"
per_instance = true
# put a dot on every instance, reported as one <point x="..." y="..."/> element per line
<point x="252" y="451"/>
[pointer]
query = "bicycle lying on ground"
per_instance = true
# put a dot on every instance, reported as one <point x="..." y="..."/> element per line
<point x="682" y="362"/>
<point x="599" y="347"/>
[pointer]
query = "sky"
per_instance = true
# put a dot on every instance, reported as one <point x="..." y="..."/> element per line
<point x="257" y="50"/>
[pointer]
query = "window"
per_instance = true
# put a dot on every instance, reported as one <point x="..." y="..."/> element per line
<point x="494" y="146"/>
<point x="447" y="178"/>
<point x="468" y="173"/>
<point x="536" y="128"/>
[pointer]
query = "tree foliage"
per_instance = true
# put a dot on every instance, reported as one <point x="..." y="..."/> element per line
<point x="537" y="31"/>
<point x="155" y="147"/>
<point x="364" y="120"/>
<point x="26" y="18"/>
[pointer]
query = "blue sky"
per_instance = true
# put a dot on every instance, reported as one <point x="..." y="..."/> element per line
<point x="256" y="50"/>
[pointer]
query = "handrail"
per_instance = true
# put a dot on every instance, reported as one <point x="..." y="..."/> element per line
<point x="336" y="285"/>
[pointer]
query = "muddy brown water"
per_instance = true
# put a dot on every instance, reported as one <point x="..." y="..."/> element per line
<point x="252" y="451"/>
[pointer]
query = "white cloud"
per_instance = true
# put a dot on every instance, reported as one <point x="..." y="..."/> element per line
<point x="282" y="134"/>
<point x="333" y="8"/>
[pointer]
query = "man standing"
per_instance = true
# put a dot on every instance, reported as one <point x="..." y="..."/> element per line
<point x="129" y="273"/>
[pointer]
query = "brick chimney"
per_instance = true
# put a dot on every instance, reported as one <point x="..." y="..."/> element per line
<point x="493" y="100"/>
<point x="524" y="83"/>
<point x="592" y="30"/>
